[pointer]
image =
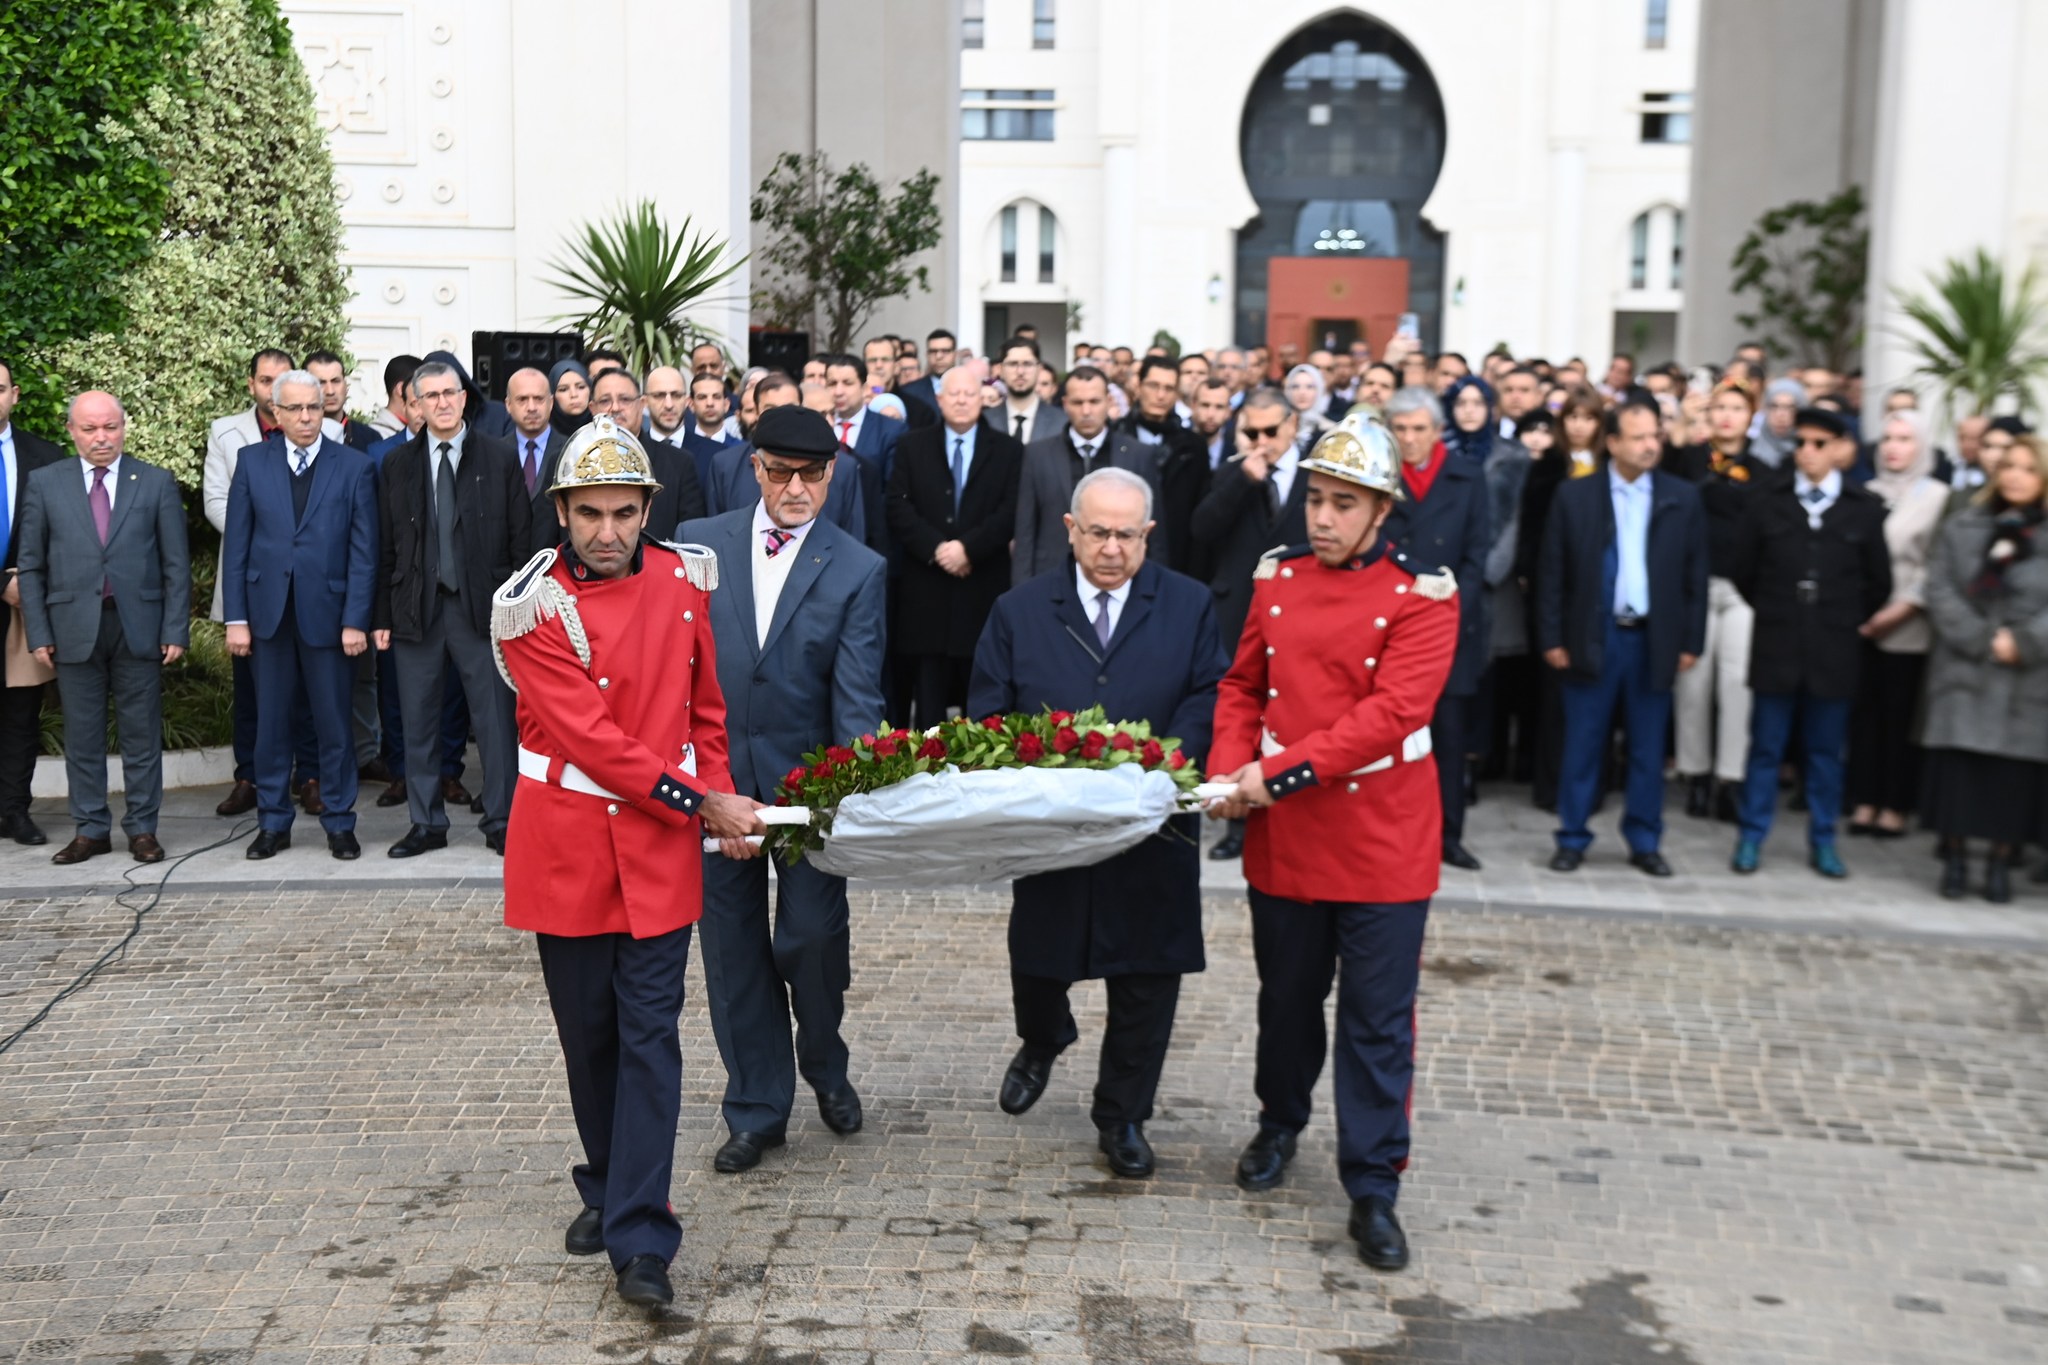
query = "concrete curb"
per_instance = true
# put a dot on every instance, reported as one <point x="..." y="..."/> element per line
<point x="182" y="768"/>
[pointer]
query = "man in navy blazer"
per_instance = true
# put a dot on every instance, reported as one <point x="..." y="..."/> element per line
<point x="869" y="435"/>
<point x="298" y="569"/>
<point x="798" y="620"/>
<point x="1107" y="628"/>
<point x="734" y="485"/>
<point x="1621" y="611"/>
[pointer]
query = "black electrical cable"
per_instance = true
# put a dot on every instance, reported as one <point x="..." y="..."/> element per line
<point x="155" y="892"/>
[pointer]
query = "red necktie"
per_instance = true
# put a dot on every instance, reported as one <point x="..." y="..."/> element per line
<point x="846" y="433"/>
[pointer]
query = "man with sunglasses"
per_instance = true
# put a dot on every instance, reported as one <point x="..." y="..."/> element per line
<point x="799" y="630"/>
<point x="1810" y="558"/>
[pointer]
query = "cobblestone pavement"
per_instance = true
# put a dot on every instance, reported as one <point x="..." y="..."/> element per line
<point x="329" y="1126"/>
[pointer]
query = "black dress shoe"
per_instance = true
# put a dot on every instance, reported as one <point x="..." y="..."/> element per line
<point x="1025" y="1081"/>
<point x="1651" y="863"/>
<point x="1130" y="1156"/>
<point x="1567" y="859"/>
<point x="840" y="1110"/>
<point x="1456" y="855"/>
<point x="1955" y="876"/>
<point x="1727" y="808"/>
<point x="742" y="1152"/>
<point x="644" y="1280"/>
<point x="1998" y="881"/>
<point x="1699" y="797"/>
<point x="418" y="840"/>
<point x="494" y="840"/>
<point x="585" y="1236"/>
<point x="23" y="830"/>
<point x="268" y="843"/>
<point x="1231" y="845"/>
<point x="344" y="846"/>
<point x="1263" y="1163"/>
<point x="1381" y="1243"/>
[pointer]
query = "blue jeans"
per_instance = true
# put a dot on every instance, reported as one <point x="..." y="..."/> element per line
<point x="1823" y="727"/>
<point x="1588" y="719"/>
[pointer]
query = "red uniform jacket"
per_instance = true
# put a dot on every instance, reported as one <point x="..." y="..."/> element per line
<point x="1337" y="671"/>
<point x="629" y="861"/>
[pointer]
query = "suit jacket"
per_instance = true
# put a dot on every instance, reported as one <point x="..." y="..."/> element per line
<point x="547" y="527"/>
<point x="681" y="497"/>
<point x="875" y="444"/>
<point x="1045" y="490"/>
<point x="920" y="401"/>
<point x="31" y="452"/>
<point x="1576" y="572"/>
<point x="1140" y="911"/>
<point x="817" y="678"/>
<point x="1451" y="529"/>
<point x="325" y="561"/>
<point x="63" y="565"/>
<point x="936" y="612"/>
<point x="494" y="523"/>
<point x="1809" y="642"/>
<point x="703" y="449"/>
<point x="1236" y="524"/>
<point x="1182" y="460"/>
<point x="734" y="486"/>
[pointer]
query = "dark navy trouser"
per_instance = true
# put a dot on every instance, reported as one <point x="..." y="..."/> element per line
<point x="1822" y="724"/>
<point x="1589" y="719"/>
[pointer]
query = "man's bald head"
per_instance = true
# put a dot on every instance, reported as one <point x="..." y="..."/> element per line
<point x="98" y="426"/>
<point x="530" y="398"/>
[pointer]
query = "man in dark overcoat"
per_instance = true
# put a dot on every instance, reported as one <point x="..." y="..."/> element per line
<point x="1106" y="628"/>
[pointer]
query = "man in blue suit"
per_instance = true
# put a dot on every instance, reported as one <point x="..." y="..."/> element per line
<point x="1621" y="611"/>
<point x="735" y="487"/>
<point x="798" y="621"/>
<point x="298" y="567"/>
<point x="1107" y="628"/>
<point x="869" y="435"/>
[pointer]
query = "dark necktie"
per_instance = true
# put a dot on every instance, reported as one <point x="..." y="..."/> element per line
<point x="1087" y="455"/>
<point x="1813" y="496"/>
<point x="959" y="471"/>
<point x="1019" y="429"/>
<point x="102" y="516"/>
<point x="774" y="538"/>
<point x="1102" y="618"/>
<point x="444" y="517"/>
<point x="532" y="464"/>
<point x="298" y="459"/>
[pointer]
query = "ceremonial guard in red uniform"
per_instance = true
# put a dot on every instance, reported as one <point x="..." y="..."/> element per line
<point x="1323" y="724"/>
<point x="622" y="772"/>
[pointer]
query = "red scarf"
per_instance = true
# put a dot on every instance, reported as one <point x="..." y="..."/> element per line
<point x="1420" y="478"/>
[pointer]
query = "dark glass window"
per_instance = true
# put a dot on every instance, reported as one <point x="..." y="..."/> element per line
<point x="1667" y="117"/>
<point x="1656" y="22"/>
<point x="1010" y="244"/>
<point x="979" y="123"/>
<point x="971" y="23"/>
<point x="1041" y="23"/>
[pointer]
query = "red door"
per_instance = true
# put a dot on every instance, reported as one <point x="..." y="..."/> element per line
<point x="1308" y="297"/>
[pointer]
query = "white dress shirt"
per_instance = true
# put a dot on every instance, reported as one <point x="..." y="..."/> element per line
<point x="1829" y="488"/>
<point x="1282" y="473"/>
<point x="850" y="435"/>
<point x="771" y="574"/>
<point x="1091" y="599"/>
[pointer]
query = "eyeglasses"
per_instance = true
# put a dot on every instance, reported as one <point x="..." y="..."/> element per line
<point x="1815" y="442"/>
<point x="783" y="473"/>
<point x="298" y="409"/>
<point x="1099" y="536"/>
<point x="611" y="404"/>
<point x="1261" y="433"/>
<point x="441" y="396"/>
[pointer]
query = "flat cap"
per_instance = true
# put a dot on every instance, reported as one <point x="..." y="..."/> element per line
<point x="795" y="433"/>
<point x="1822" y="419"/>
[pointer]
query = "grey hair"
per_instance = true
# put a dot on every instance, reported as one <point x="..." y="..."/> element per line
<point x="1415" y="398"/>
<point x="71" y="408"/>
<point x="1112" y="478"/>
<point x="304" y="378"/>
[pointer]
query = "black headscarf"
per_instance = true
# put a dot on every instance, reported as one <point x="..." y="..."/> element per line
<point x="559" y="420"/>
<point x="2012" y="540"/>
<point x="1471" y="445"/>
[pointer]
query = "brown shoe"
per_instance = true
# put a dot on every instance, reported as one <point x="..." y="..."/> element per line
<point x="81" y="848"/>
<point x="241" y="799"/>
<point x="454" y="793"/>
<point x="145" y="848"/>
<point x="393" y="795"/>
<point x="309" y="798"/>
<point x="376" y="770"/>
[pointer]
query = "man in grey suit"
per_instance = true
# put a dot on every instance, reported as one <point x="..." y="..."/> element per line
<point x="1054" y="465"/>
<point x="106" y="593"/>
<point x="1023" y="416"/>
<point x="798" y="621"/>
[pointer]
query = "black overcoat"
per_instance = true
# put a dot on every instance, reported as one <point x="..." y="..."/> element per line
<point x="1452" y="529"/>
<point x="1808" y="641"/>
<point x="937" y="613"/>
<point x="1140" y="911"/>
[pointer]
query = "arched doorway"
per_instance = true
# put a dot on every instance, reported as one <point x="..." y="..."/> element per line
<point x="1342" y="139"/>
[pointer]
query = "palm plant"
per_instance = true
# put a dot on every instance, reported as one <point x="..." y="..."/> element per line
<point x="1979" y="335"/>
<point x="633" y="278"/>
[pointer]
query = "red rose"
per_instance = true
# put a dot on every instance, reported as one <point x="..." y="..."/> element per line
<point x="1030" y="748"/>
<point x="1152" y="754"/>
<point x="932" y="748"/>
<point x="1060" y="717"/>
<point x="868" y="740"/>
<point x="1176" y="760"/>
<point x="1123" y="741"/>
<point x="839" y="755"/>
<point x="822" y="771"/>
<point x="795" y="779"/>
<point x="899" y="735"/>
<point x="885" y="747"/>
<point x="1094" y="744"/>
<point x="992" y="723"/>
<point x="1065" y="740"/>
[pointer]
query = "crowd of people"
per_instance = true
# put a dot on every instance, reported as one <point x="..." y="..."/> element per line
<point x="1764" y="596"/>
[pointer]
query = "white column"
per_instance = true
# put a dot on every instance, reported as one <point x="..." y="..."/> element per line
<point x="1565" y="257"/>
<point x="1119" y="248"/>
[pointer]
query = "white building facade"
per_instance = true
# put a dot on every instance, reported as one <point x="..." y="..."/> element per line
<point x="1146" y="163"/>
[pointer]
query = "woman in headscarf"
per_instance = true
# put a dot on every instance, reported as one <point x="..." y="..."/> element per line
<point x="1884" y="762"/>
<point x="1783" y="398"/>
<point x="1987" y="674"/>
<point x="1308" y="396"/>
<point x="571" y="383"/>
